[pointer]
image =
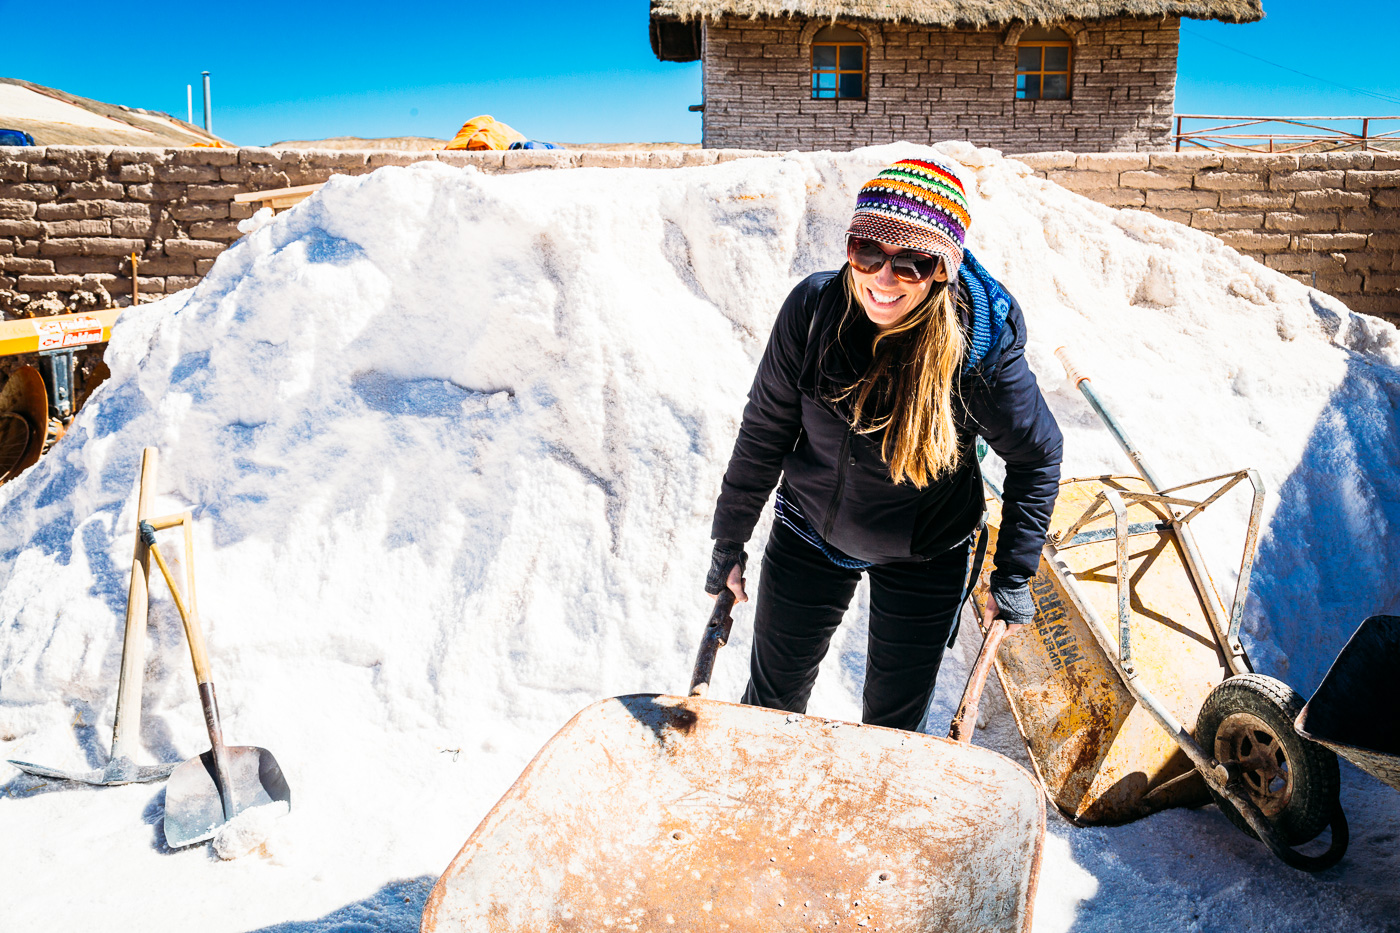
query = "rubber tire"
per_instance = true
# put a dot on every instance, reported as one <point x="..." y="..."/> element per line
<point x="1316" y="776"/>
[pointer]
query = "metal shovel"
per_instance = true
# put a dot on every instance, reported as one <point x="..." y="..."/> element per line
<point x="120" y="769"/>
<point x="212" y="788"/>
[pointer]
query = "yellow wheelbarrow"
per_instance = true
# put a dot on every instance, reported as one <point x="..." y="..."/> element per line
<point x="656" y="812"/>
<point x="1133" y="693"/>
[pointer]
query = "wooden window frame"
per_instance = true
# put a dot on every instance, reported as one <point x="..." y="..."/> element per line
<point x="1043" y="44"/>
<point x="864" y="70"/>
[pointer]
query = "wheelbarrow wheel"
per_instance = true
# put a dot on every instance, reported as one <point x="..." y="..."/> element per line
<point x="1248" y="721"/>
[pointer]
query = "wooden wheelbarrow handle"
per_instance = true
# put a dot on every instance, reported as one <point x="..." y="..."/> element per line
<point x="715" y="636"/>
<point x="965" y="720"/>
<point x="959" y="730"/>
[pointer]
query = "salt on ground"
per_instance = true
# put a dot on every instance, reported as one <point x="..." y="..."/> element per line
<point x="452" y="442"/>
<point x="255" y="830"/>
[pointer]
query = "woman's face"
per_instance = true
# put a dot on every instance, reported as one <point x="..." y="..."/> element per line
<point x="885" y="298"/>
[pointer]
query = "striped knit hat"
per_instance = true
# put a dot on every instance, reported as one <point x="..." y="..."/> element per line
<point x="918" y="204"/>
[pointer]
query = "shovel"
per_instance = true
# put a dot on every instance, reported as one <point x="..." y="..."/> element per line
<point x="120" y="769"/>
<point x="212" y="788"/>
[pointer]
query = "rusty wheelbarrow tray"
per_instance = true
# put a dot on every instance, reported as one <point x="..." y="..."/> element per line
<point x="655" y="812"/>
<point x="1356" y="709"/>
<point x="1134" y="692"/>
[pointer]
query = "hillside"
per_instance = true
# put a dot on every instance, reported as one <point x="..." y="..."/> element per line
<point x="57" y="118"/>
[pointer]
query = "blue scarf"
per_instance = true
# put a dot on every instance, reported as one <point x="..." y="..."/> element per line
<point x="990" y="306"/>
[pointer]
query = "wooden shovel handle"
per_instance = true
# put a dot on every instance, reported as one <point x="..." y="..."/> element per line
<point x="193" y="633"/>
<point x="187" y="520"/>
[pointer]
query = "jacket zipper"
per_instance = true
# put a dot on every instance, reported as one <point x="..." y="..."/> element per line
<point x="840" y="492"/>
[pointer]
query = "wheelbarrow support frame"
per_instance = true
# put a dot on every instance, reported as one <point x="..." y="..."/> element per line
<point x="1226" y="628"/>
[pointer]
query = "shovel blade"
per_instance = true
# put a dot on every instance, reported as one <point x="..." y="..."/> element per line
<point x="194" y="811"/>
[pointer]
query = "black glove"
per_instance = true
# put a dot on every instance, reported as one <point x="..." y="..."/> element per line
<point x="1017" y="606"/>
<point x="725" y="556"/>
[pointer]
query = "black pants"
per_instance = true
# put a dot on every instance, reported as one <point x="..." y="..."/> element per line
<point x="801" y="598"/>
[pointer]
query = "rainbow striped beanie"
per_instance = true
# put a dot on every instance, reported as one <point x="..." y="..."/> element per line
<point x="918" y="204"/>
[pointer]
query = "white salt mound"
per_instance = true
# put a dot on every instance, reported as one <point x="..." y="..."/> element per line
<point x="452" y="442"/>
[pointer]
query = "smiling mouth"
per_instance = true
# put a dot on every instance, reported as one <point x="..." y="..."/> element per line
<point x="882" y="303"/>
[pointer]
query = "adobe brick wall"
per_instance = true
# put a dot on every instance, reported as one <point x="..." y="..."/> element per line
<point x="70" y="216"/>
<point x="928" y="84"/>
<point x="1330" y="220"/>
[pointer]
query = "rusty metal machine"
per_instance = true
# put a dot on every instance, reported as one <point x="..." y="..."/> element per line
<point x="663" y="812"/>
<point x="24" y="419"/>
<point x="1135" y="693"/>
<point x="36" y="403"/>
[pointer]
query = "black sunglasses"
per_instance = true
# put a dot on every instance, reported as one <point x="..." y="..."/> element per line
<point x="866" y="256"/>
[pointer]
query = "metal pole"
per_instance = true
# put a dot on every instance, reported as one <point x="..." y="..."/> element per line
<point x="208" y="116"/>
<point x="1178" y="134"/>
<point x="189" y="104"/>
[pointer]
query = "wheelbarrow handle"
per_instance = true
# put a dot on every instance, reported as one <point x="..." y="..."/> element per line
<point x="965" y="720"/>
<point x="715" y="637"/>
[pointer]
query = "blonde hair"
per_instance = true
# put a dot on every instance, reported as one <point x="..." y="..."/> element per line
<point x="910" y="385"/>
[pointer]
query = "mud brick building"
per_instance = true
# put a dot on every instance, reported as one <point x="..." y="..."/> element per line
<point x="1017" y="75"/>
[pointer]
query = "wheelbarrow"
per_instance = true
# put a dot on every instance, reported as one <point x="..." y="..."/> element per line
<point x="1133" y="692"/>
<point x="1354" y="709"/>
<point x="653" y="812"/>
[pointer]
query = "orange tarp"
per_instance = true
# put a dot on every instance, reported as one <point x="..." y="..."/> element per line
<point x="485" y="132"/>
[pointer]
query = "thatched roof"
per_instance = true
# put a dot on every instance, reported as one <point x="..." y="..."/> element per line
<point x="974" y="13"/>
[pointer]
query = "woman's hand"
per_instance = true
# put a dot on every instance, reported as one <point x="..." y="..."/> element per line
<point x="990" y="610"/>
<point x="736" y="583"/>
<point x="1019" y="609"/>
<point x="727" y="570"/>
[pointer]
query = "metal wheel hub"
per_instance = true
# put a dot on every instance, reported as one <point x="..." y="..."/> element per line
<point x="1247" y="741"/>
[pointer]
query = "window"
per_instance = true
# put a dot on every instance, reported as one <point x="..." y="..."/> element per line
<point x="1042" y="65"/>
<point x="838" y="64"/>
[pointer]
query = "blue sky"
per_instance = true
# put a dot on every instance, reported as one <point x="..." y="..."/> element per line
<point x="575" y="72"/>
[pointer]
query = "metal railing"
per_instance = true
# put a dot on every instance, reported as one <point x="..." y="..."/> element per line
<point x="1313" y="134"/>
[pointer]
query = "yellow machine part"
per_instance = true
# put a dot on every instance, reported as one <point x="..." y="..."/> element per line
<point x="58" y="332"/>
<point x="1100" y="756"/>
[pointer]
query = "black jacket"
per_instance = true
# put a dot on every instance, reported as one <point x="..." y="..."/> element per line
<point x="839" y="478"/>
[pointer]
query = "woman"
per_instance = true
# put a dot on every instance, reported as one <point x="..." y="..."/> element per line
<point x="874" y="385"/>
